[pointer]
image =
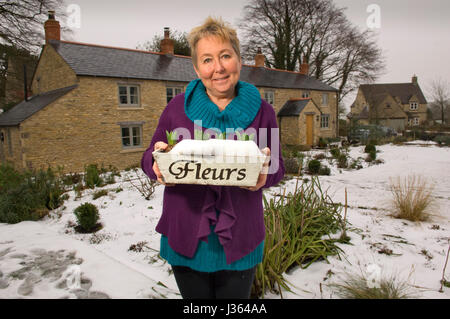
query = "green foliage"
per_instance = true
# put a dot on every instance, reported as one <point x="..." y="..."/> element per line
<point x="87" y="216"/>
<point x="324" y="170"/>
<point x="313" y="166"/>
<point x="28" y="195"/>
<point x="244" y="136"/>
<point x="172" y="138"/>
<point x="442" y="140"/>
<point x="342" y="160"/>
<point x="298" y="229"/>
<point x="291" y="165"/>
<point x="92" y="177"/>
<point x="370" y="148"/>
<point x="335" y="152"/>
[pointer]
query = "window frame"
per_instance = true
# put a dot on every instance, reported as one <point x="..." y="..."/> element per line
<point x="173" y="88"/>
<point x="269" y="96"/>
<point x="130" y="127"/>
<point x="306" y="94"/>
<point x="128" y="86"/>
<point x="322" y="121"/>
<point x="413" y="106"/>
<point x="327" y="99"/>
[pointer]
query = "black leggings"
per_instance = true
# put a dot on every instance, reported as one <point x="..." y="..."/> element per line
<point x="225" y="284"/>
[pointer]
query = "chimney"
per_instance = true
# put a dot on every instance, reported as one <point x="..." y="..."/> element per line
<point x="414" y="79"/>
<point x="304" y="67"/>
<point x="52" y="28"/>
<point x="260" y="59"/>
<point x="167" y="46"/>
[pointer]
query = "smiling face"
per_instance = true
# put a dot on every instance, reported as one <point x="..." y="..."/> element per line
<point x="218" y="67"/>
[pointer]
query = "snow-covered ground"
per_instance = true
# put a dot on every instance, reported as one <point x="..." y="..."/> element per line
<point x="48" y="259"/>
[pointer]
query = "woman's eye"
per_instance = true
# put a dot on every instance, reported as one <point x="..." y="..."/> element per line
<point x="207" y="60"/>
<point x="226" y="56"/>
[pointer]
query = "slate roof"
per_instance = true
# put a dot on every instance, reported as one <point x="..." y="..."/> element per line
<point x="404" y="91"/>
<point x="294" y="107"/>
<point x="94" y="60"/>
<point x="24" y="110"/>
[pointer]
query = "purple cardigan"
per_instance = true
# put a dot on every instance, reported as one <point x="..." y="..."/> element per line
<point x="190" y="210"/>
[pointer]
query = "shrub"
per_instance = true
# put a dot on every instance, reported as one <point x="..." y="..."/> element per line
<point x="291" y="165"/>
<point x="28" y="195"/>
<point x="324" y="170"/>
<point x="412" y="198"/>
<point x="355" y="286"/>
<point x="313" y="166"/>
<point x="335" y="152"/>
<point x="87" y="217"/>
<point x="342" y="160"/>
<point x="370" y="148"/>
<point x="92" y="176"/>
<point x="298" y="229"/>
<point x="442" y="140"/>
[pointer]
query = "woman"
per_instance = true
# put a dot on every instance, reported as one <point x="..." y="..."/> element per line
<point x="213" y="236"/>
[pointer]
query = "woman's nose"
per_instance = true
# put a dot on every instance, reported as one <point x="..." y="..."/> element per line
<point x="218" y="66"/>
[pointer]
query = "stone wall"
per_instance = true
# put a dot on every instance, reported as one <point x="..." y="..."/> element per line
<point x="83" y="127"/>
<point x="52" y="72"/>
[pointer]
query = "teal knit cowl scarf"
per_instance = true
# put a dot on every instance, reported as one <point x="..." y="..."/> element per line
<point x="239" y="114"/>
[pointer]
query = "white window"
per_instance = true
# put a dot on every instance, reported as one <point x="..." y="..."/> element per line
<point x="131" y="136"/>
<point x="171" y="92"/>
<point x="413" y="106"/>
<point x="325" y="99"/>
<point x="269" y="96"/>
<point x="416" y="121"/>
<point x="305" y="94"/>
<point x="128" y="95"/>
<point x="325" y="121"/>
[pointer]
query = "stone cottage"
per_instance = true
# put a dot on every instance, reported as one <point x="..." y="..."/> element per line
<point x="395" y="105"/>
<point x="97" y="104"/>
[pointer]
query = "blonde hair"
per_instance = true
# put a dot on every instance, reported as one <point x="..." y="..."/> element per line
<point x="213" y="27"/>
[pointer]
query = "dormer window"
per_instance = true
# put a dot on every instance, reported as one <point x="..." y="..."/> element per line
<point x="413" y="106"/>
<point x="305" y="94"/>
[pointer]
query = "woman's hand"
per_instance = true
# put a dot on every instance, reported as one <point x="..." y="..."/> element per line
<point x="160" y="146"/>
<point x="262" y="178"/>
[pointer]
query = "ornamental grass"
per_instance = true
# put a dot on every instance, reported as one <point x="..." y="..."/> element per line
<point x="412" y="198"/>
<point x="299" y="226"/>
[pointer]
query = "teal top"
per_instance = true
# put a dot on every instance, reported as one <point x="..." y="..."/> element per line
<point x="238" y="115"/>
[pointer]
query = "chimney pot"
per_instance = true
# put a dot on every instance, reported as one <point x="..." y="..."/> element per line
<point x="52" y="28"/>
<point x="304" y="67"/>
<point x="414" y="79"/>
<point x="167" y="45"/>
<point x="260" y="59"/>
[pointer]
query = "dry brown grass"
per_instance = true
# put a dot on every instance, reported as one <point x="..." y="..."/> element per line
<point x="412" y="198"/>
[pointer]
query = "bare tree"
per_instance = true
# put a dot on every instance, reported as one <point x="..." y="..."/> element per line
<point x="440" y="93"/>
<point x="21" y="22"/>
<point x="289" y="30"/>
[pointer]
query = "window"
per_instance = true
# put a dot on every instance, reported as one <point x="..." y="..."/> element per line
<point x="413" y="106"/>
<point x="131" y="136"/>
<point x="269" y="96"/>
<point x="129" y="95"/>
<point x="388" y="106"/>
<point x="171" y="92"/>
<point x="305" y="94"/>
<point x="413" y="121"/>
<point x="325" y="99"/>
<point x="325" y="121"/>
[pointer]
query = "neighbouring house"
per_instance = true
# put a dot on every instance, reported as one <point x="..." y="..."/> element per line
<point x="100" y="105"/>
<point x="395" y="105"/>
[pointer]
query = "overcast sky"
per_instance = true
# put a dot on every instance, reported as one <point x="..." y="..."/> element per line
<point x="413" y="34"/>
